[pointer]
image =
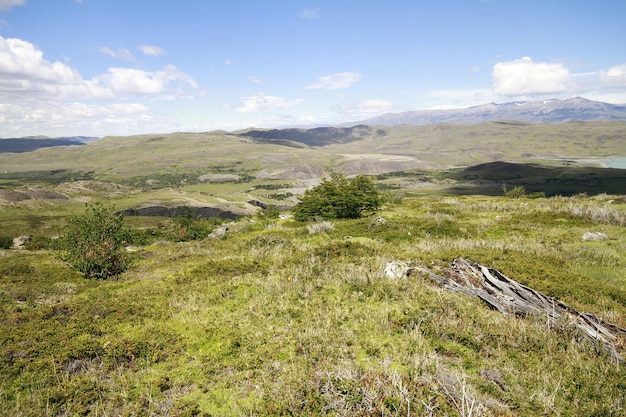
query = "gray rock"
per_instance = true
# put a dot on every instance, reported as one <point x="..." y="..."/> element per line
<point x="20" y="241"/>
<point x="397" y="269"/>
<point x="595" y="237"/>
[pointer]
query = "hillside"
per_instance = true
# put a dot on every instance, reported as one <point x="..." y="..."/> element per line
<point x="177" y="157"/>
<point x="278" y="317"/>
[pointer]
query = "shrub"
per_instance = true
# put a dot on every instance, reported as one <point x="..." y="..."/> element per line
<point x="337" y="198"/>
<point x="94" y="243"/>
<point x="515" y="192"/>
<point x="188" y="226"/>
<point x="6" y="242"/>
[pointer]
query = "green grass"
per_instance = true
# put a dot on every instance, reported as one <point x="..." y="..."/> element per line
<point x="275" y="320"/>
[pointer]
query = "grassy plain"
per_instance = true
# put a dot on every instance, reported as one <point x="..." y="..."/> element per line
<point x="275" y="320"/>
<point x="279" y="317"/>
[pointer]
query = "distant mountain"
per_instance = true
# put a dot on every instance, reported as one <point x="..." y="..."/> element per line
<point x="546" y="111"/>
<point x="32" y="143"/>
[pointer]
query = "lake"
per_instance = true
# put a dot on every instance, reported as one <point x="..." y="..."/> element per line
<point x="619" y="162"/>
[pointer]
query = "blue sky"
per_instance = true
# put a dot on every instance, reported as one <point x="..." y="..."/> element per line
<point x="118" y="67"/>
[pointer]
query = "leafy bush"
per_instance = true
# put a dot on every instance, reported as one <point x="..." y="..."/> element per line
<point x="94" y="243"/>
<point x="515" y="192"/>
<point x="337" y="198"/>
<point x="188" y="226"/>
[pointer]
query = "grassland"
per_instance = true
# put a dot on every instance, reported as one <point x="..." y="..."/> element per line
<point x="275" y="320"/>
<point x="279" y="317"/>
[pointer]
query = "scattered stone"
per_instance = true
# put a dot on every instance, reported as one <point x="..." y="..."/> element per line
<point x="397" y="269"/>
<point x="498" y="218"/>
<point x="379" y="220"/>
<point x="219" y="232"/>
<point x="595" y="237"/>
<point x="20" y="242"/>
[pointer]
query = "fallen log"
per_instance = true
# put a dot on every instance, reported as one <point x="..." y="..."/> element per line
<point x="510" y="297"/>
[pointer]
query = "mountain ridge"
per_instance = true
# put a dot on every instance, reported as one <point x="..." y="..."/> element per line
<point x="544" y="111"/>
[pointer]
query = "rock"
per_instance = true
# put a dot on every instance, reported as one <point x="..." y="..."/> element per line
<point x="20" y="241"/>
<point x="594" y="237"/>
<point x="219" y="232"/>
<point x="397" y="269"/>
<point x="257" y="203"/>
<point x="379" y="220"/>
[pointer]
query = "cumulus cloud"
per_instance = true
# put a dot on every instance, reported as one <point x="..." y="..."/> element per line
<point x="23" y="71"/>
<point x="525" y="77"/>
<point x="365" y="108"/>
<point x="255" y="79"/>
<point x="8" y="4"/>
<point x="24" y="74"/>
<point x="151" y="50"/>
<point x="261" y="101"/>
<point x="310" y="14"/>
<point x="37" y="95"/>
<point x="335" y="81"/>
<point x="614" y="76"/>
<point x="74" y="118"/>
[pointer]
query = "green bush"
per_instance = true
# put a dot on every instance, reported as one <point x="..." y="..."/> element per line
<point x="6" y="242"/>
<point x="94" y="243"/>
<point x="515" y="192"/>
<point x="338" y="198"/>
<point x="188" y="226"/>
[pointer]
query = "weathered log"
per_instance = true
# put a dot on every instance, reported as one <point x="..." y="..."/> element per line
<point x="510" y="297"/>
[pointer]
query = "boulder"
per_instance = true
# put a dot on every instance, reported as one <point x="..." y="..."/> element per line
<point x="20" y="241"/>
<point x="219" y="232"/>
<point x="397" y="269"/>
<point x="595" y="237"/>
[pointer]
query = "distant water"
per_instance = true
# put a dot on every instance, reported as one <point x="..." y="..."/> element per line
<point x="616" y="162"/>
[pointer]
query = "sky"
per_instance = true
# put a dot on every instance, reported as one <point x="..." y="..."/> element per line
<point x="122" y="67"/>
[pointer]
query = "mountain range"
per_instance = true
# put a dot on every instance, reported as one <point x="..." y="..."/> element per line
<point x="546" y="111"/>
<point x="31" y="143"/>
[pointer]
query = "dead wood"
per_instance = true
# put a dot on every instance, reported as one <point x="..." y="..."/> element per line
<point x="510" y="297"/>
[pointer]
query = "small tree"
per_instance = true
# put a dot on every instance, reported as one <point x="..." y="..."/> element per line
<point x="94" y="243"/>
<point x="337" y="198"/>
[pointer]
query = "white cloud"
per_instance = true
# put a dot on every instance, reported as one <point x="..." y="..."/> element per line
<point x="75" y="118"/>
<point x="255" y="79"/>
<point x="151" y="50"/>
<point x="8" y="4"/>
<point x="310" y="14"/>
<point x="138" y="82"/>
<point x="525" y="77"/>
<point x="120" y="53"/>
<point x="25" y="74"/>
<point x="261" y="101"/>
<point x="335" y="81"/>
<point x="614" y="76"/>
<point x="365" y="108"/>
<point x="42" y="97"/>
